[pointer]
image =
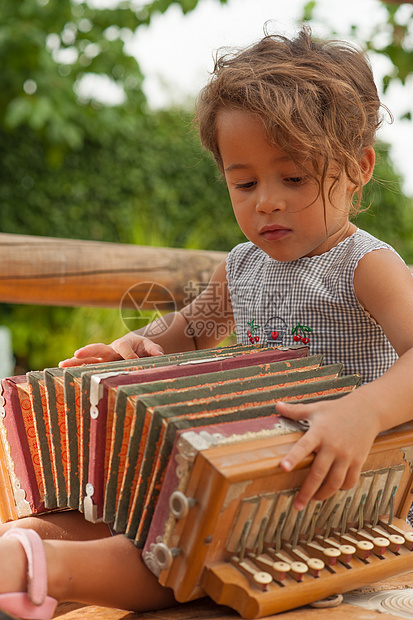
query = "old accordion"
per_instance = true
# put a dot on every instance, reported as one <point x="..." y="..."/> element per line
<point x="181" y="454"/>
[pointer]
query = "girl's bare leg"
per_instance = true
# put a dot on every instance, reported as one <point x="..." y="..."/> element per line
<point x="70" y="525"/>
<point x="108" y="571"/>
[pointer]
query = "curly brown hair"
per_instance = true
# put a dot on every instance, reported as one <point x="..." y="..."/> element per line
<point x="317" y="100"/>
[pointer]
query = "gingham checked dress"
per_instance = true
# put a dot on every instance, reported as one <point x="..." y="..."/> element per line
<point x="285" y="303"/>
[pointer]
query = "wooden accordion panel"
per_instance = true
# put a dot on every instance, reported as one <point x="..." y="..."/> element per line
<point x="232" y="532"/>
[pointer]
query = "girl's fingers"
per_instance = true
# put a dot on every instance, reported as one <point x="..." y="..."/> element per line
<point x="324" y="479"/>
<point x="352" y="477"/>
<point x="149" y="348"/>
<point x="129" y="347"/>
<point x="123" y="349"/>
<point x="92" y="354"/>
<point x="334" y="481"/>
<point x="133" y="346"/>
<point x="98" y="351"/>
<point x="340" y="449"/>
<point x="75" y="361"/>
<point x="300" y="450"/>
<point x="292" y="411"/>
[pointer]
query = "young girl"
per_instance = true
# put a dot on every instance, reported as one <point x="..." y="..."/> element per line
<point x="291" y="124"/>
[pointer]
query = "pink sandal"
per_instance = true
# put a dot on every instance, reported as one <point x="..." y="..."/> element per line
<point x="35" y="604"/>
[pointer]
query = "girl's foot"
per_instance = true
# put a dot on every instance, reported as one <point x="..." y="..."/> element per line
<point x="23" y="577"/>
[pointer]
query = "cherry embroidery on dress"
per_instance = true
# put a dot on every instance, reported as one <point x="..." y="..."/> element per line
<point x="251" y="333"/>
<point x="297" y="336"/>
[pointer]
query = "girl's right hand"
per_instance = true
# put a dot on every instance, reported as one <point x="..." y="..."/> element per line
<point x="131" y="346"/>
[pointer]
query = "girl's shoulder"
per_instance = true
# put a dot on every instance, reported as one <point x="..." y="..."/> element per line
<point x="362" y="241"/>
<point x="353" y="249"/>
<point x="244" y="249"/>
<point x="243" y="254"/>
<point x="244" y="260"/>
<point x="347" y="253"/>
<point x="248" y="257"/>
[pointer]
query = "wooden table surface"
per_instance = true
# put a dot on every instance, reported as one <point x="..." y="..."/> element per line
<point x="205" y="609"/>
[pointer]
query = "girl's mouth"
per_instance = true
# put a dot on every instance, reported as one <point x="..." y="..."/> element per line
<point x="274" y="233"/>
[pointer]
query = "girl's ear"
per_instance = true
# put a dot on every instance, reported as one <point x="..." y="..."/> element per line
<point x="366" y="164"/>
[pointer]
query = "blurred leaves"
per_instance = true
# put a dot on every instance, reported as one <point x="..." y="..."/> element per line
<point x="154" y="186"/>
<point x="73" y="166"/>
<point x="46" y="48"/>
<point x="391" y="37"/>
<point x="394" y="39"/>
<point x="308" y="10"/>
<point x="388" y="213"/>
<point x="49" y="47"/>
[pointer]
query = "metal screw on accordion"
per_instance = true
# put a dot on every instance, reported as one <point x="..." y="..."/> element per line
<point x="180" y="504"/>
<point x="164" y="555"/>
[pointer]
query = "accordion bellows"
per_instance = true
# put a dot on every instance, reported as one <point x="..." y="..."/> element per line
<point x="60" y="427"/>
<point x="181" y="454"/>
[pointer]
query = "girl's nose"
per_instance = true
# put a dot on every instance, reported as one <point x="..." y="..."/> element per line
<point x="269" y="202"/>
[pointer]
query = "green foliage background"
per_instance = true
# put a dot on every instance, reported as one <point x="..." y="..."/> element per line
<point x="74" y="168"/>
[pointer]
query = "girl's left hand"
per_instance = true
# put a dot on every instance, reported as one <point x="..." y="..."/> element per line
<point x="340" y="435"/>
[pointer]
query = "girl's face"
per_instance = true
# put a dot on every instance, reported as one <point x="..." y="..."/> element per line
<point x="275" y="202"/>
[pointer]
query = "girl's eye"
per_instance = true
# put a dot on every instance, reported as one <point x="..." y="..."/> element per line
<point x="248" y="185"/>
<point x="295" y="180"/>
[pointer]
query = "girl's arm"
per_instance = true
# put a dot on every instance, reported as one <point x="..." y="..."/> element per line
<point x="202" y="324"/>
<point x="342" y="431"/>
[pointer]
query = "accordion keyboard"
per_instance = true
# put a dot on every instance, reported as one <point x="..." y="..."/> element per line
<point x="239" y="538"/>
<point x="279" y="555"/>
